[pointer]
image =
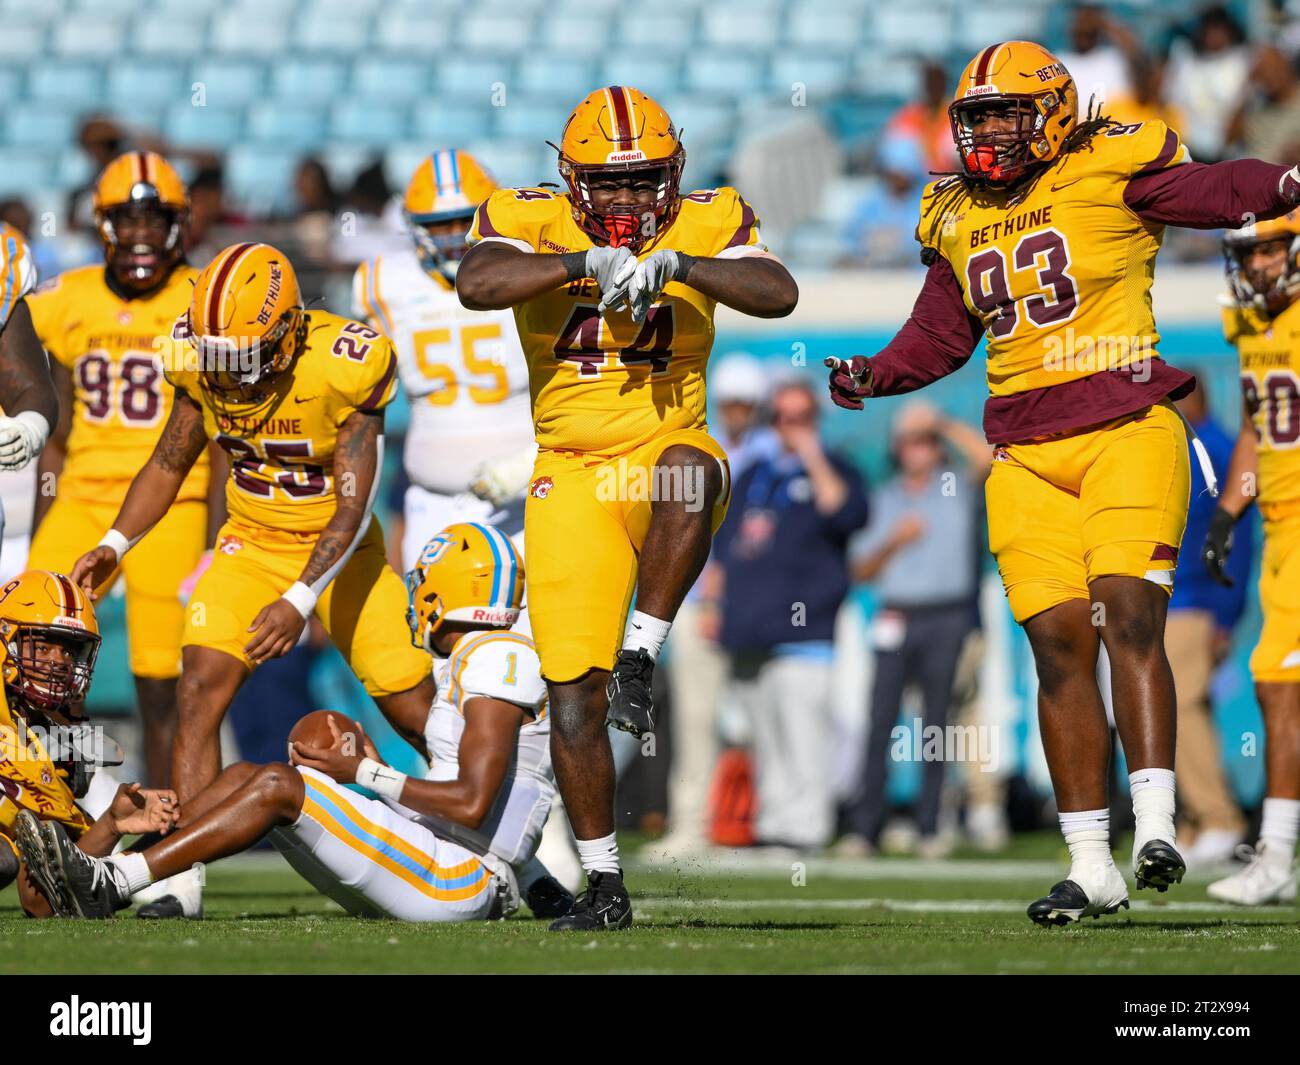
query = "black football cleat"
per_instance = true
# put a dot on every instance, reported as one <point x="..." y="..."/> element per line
<point x="546" y="897"/>
<point x="1158" y="865"/>
<point x="36" y="848"/>
<point x="91" y="883"/>
<point x="1066" y="903"/>
<point x="163" y="908"/>
<point x="603" y="907"/>
<point x="630" y="706"/>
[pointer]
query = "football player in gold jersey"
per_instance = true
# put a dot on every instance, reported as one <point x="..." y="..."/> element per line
<point x="1263" y="323"/>
<point x="28" y="404"/>
<point x="296" y="399"/>
<point x="49" y="640"/>
<point x="102" y="325"/>
<point x="1045" y="244"/>
<point x="614" y="286"/>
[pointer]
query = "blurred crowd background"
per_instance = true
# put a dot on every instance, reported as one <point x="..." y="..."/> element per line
<point x="300" y="121"/>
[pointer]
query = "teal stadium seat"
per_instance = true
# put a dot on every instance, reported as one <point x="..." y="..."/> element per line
<point x="411" y="33"/>
<point x="651" y="33"/>
<point x="749" y="26"/>
<point x="298" y="125"/>
<point x="338" y="35"/>
<point x="838" y="31"/>
<point x="820" y="72"/>
<point x="229" y="82"/>
<point x="22" y="40"/>
<point x="389" y="80"/>
<point x="539" y="77"/>
<point x="924" y="29"/>
<point x="249" y="33"/>
<point x="517" y="163"/>
<point x="179" y="37"/>
<point x="449" y="124"/>
<point x="571" y="34"/>
<point x="721" y="73"/>
<point x="40" y="125"/>
<point x="22" y="169"/>
<point x="89" y="36"/>
<point x="315" y="80"/>
<point x="260" y="176"/>
<point x="653" y="74"/>
<point x="530" y="121"/>
<point x="471" y="78"/>
<point x="209" y="126"/>
<point x="367" y="122"/>
<point x="135" y="84"/>
<point x="65" y="81"/>
<point x="489" y="32"/>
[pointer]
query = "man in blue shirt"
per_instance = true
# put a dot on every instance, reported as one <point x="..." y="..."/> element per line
<point x="783" y="554"/>
<point x="1202" y="615"/>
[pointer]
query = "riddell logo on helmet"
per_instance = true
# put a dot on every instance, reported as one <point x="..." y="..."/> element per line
<point x="625" y="157"/>
<point x="495" y="617"/>
<point x="981" y="90"/>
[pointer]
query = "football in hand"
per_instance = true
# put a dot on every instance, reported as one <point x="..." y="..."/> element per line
<point x="314" y="731"/>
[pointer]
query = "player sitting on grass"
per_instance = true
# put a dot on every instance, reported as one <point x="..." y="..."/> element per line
<point x="445" y="848"/>
<point x="49" y="639"/>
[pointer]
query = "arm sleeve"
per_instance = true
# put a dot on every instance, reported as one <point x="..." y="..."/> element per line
<point x="935" y="341"/>
<point x="1208" y="195"/>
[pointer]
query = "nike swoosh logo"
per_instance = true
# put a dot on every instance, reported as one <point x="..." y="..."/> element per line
<point x="1064" y="184"/>
<point x="304" y="399"/>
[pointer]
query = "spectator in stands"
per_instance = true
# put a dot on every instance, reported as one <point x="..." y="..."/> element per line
<point x="1205" y="78"/>
<point x="882" y="228"/>
<point x="102" y="141"/>
<point x="370" y="222"/>
<point x="924" y="124"/>
<point x="1198" y="634"/>
<point x="697" y="665"/>
<point x="209" y="213"/>
<point x="1101" y="52"/>
<point x="1267" y="124"/>
<point x="922" y="552"/>
<point x="317" y="204"/>
<point x="1148" y="102"/>
<point x="783" y="553"/>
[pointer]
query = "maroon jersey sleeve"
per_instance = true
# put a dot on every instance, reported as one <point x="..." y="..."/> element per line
<point x="936" y="340"/>
<point x="1208" y="195"/>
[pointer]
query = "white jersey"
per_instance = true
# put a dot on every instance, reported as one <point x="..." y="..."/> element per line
<point x="500" y="665"/>
<point x="463" y="371"/>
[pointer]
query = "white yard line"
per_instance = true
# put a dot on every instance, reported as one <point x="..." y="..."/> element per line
<point x="917" y="905"/>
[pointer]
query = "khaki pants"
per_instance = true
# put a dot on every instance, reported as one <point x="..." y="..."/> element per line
<point x="1202" y="788"/>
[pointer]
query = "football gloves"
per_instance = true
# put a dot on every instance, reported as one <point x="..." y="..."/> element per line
<point x="21" y="438"/>
<point x="1218" y="544"/>
<point x="643" y="282"/>
<point x="850" y="381"/>
<point x="603" y="264"/>
<point x="504" y="479"/>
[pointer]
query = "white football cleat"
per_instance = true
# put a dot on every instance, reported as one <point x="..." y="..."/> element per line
<point x="1265" y="879"/>
<point x="1091" y="890"/>
<point x="1213" y="846"/>
<point x="177" y="896"/>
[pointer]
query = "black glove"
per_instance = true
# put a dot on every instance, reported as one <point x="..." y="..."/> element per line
<point x="1218" y="542"/>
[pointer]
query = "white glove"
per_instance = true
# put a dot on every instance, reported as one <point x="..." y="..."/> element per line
<point x="503" y="479"/>
<point x="646" y="280"/>
<point x="21" y="438"/>
<point x="603" y="264"/>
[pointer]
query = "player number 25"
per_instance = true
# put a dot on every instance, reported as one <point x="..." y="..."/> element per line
<point x="1056" y="298"/>
<point x="435" y="350"/>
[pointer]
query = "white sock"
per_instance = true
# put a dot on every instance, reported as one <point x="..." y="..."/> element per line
<point x="1153" y="806"/>
<point x="599" y="855"/>
<point x="1087" y="834"/>
<point x="645" y="633"/>
<point x="1281" y="828"/>
<point x="134" y="870"/>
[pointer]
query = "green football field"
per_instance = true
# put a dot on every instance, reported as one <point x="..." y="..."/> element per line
<point x="882" y="916"/>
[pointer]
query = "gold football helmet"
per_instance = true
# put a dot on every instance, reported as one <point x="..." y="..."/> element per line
<point x="469" y="572"/>
<point x="49" y="640"/>
<point x="1026" y="83"/>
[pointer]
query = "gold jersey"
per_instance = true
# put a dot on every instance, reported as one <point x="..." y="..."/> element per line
<point x="604" y="384"/>
<point x="29" y="779"/>
<point x="111" y="348"/>
<point x="1269" y="352"/>
<point x="1059" y="273"/>
<point x="281" y="446"/>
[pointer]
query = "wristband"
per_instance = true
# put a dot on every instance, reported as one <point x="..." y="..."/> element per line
<point x="381" y="779"/>
<point x="575" y="264"/>
<point x="116" y="542"/>
<point x="684" y="264"/>
<point x="302" y="598"/>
